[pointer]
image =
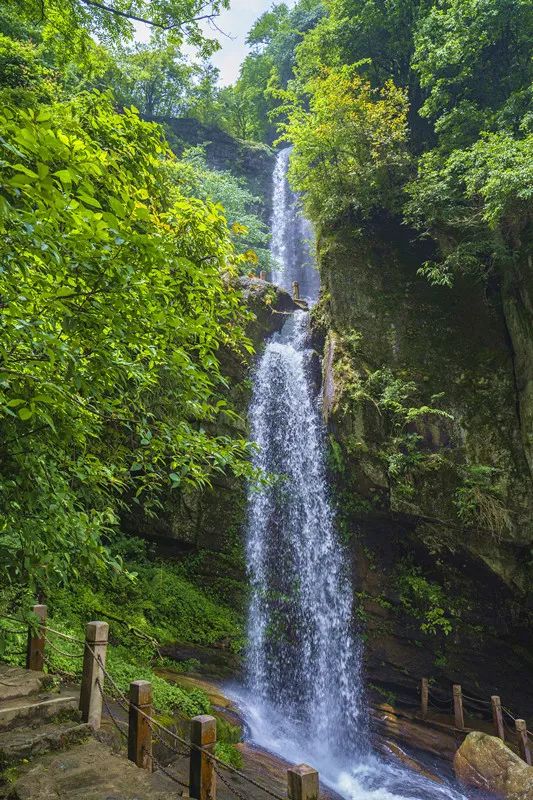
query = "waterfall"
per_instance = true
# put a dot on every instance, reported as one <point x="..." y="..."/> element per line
<point x="292" y="241"/>
<point x="301" y="656"/>
<point x="304" y="697"/>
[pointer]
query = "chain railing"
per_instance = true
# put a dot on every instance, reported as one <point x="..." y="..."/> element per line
<point x="142" y="727"/>
<point x="490" y="709"/>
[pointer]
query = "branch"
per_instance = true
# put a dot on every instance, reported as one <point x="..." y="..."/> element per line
<point x="151" y="22"/>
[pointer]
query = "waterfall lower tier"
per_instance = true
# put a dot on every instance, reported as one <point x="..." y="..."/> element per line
<point x="301" y="656"/>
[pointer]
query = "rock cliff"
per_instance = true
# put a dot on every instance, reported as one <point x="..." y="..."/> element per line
<point x="429" y="464"/>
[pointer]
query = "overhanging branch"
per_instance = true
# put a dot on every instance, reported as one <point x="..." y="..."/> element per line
<point x="151" y="22"/>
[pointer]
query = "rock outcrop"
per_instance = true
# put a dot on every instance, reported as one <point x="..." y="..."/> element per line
<point x="485" y="762"/>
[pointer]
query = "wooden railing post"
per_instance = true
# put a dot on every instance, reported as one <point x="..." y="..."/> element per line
<point x="202" y="776"/>
<point x="497" y="716"/>
<point x="523" y="741"/>
<point x="35" y="647"/>
<point x="139" y="729"/>
<point x="302" y="783"/>
<point x="295" y="290"/>
<point x="424" y="697"/>
<point x="92" y="681"/>
<point x="458" y="707"/>
<point x="262" y="275"/>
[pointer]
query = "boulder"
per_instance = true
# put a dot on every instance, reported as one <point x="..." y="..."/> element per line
<point x="487" y="763"/>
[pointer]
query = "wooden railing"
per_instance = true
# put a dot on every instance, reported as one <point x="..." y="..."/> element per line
<point x="143" y="728"/>
<point x="457" y="703"/>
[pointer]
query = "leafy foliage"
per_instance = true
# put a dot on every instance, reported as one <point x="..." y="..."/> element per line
<point x="113" y="308"/>
<point x="349" y="142"/>
<point x="425" y="600"/>
<point x="72" y="22"/>
<point x="250" y="234"/>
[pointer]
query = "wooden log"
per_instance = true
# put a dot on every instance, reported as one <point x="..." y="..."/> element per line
<point x="202" y="776"/>
<point x="497" y="716"/>
<point x="523" y="740"/>
<point x="302" y="783"/>
<point x="139" y="728"/>
<point x="92" y="681"/>
<point x="36" y="641"/>
<point x="424" y="697"/>
<point x="295" y="290"/>
<point x="458" y="707"/>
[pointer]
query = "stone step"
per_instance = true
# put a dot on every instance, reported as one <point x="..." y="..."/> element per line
<point x="90" y="772"/>
<point x="21" y="711"/>
<point x="28" y="742"/>
<point x="17" y="682"/>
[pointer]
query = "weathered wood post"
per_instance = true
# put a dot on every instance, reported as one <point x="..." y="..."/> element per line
<point x="96" y="636"/>
<point x="302" y="783"/>
<point x="523" y="741"/>
<point x="295" y="290"/>
<point x="139" y="728"/>
<point x="35" y="646"/>
<point x="202" y="776"/>
<point x="497" y="716"/>
<point x="458" y="707"/>
<point x="424" y="697"/>
<point x="262" y="275"/>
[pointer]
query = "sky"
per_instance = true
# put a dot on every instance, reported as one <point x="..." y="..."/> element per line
<point x="235" y="22"/>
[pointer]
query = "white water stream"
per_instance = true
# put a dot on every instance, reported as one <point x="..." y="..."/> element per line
<point x="304" y="698"/>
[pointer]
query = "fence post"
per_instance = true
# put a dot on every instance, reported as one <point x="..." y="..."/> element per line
<point x="139" y="729"/>
<point x="497" y="716"/>
<point x="96" y="636"/>
<point x="35" y="646"/>
<point x="295" y="290"/>
<point x="262" y="275"/>
<point x="202" y="777"/>
<point x="523" y="741"/>
<point x="424" y="697"/>
<point x="302" y="783"/>
<point x="458" y="707"/>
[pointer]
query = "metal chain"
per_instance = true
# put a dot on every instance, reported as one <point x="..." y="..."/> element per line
<point x="506" y="711"/>
<point x="62" y="652"/>
<point x="170" y="747"/>
<point x="164" y="770"/>
<point x="109" y="712"/>
<point x="178" y="738"/>
<point x="476" y="700"/>
<point x="229" y="786"/>
<point x="60" y="634"/>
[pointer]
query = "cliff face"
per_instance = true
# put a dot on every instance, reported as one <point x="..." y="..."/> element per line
<point x="429" y="465"/>
<point x="251" y="161"/>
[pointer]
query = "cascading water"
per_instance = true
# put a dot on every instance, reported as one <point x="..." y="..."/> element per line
<point x="300" y="655"/>
<point x="292" y="235"/>
<point x="304" y="699"/>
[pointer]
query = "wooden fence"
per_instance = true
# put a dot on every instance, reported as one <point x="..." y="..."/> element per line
<point x="492" y="707"/>
<point x="143" y="727"/>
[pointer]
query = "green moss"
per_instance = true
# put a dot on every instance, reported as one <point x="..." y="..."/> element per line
<point x="147" y="604"/>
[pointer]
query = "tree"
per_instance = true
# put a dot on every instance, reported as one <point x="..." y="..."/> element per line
<point x="155" y="78"/>
<point x="349" y="143"/>
<point x="115" y="298"/>
<point x="69" y="22"/>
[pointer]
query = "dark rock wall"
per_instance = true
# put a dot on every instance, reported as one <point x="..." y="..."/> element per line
<point x="251" y="161"/>
<point x="429" y="468"/>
